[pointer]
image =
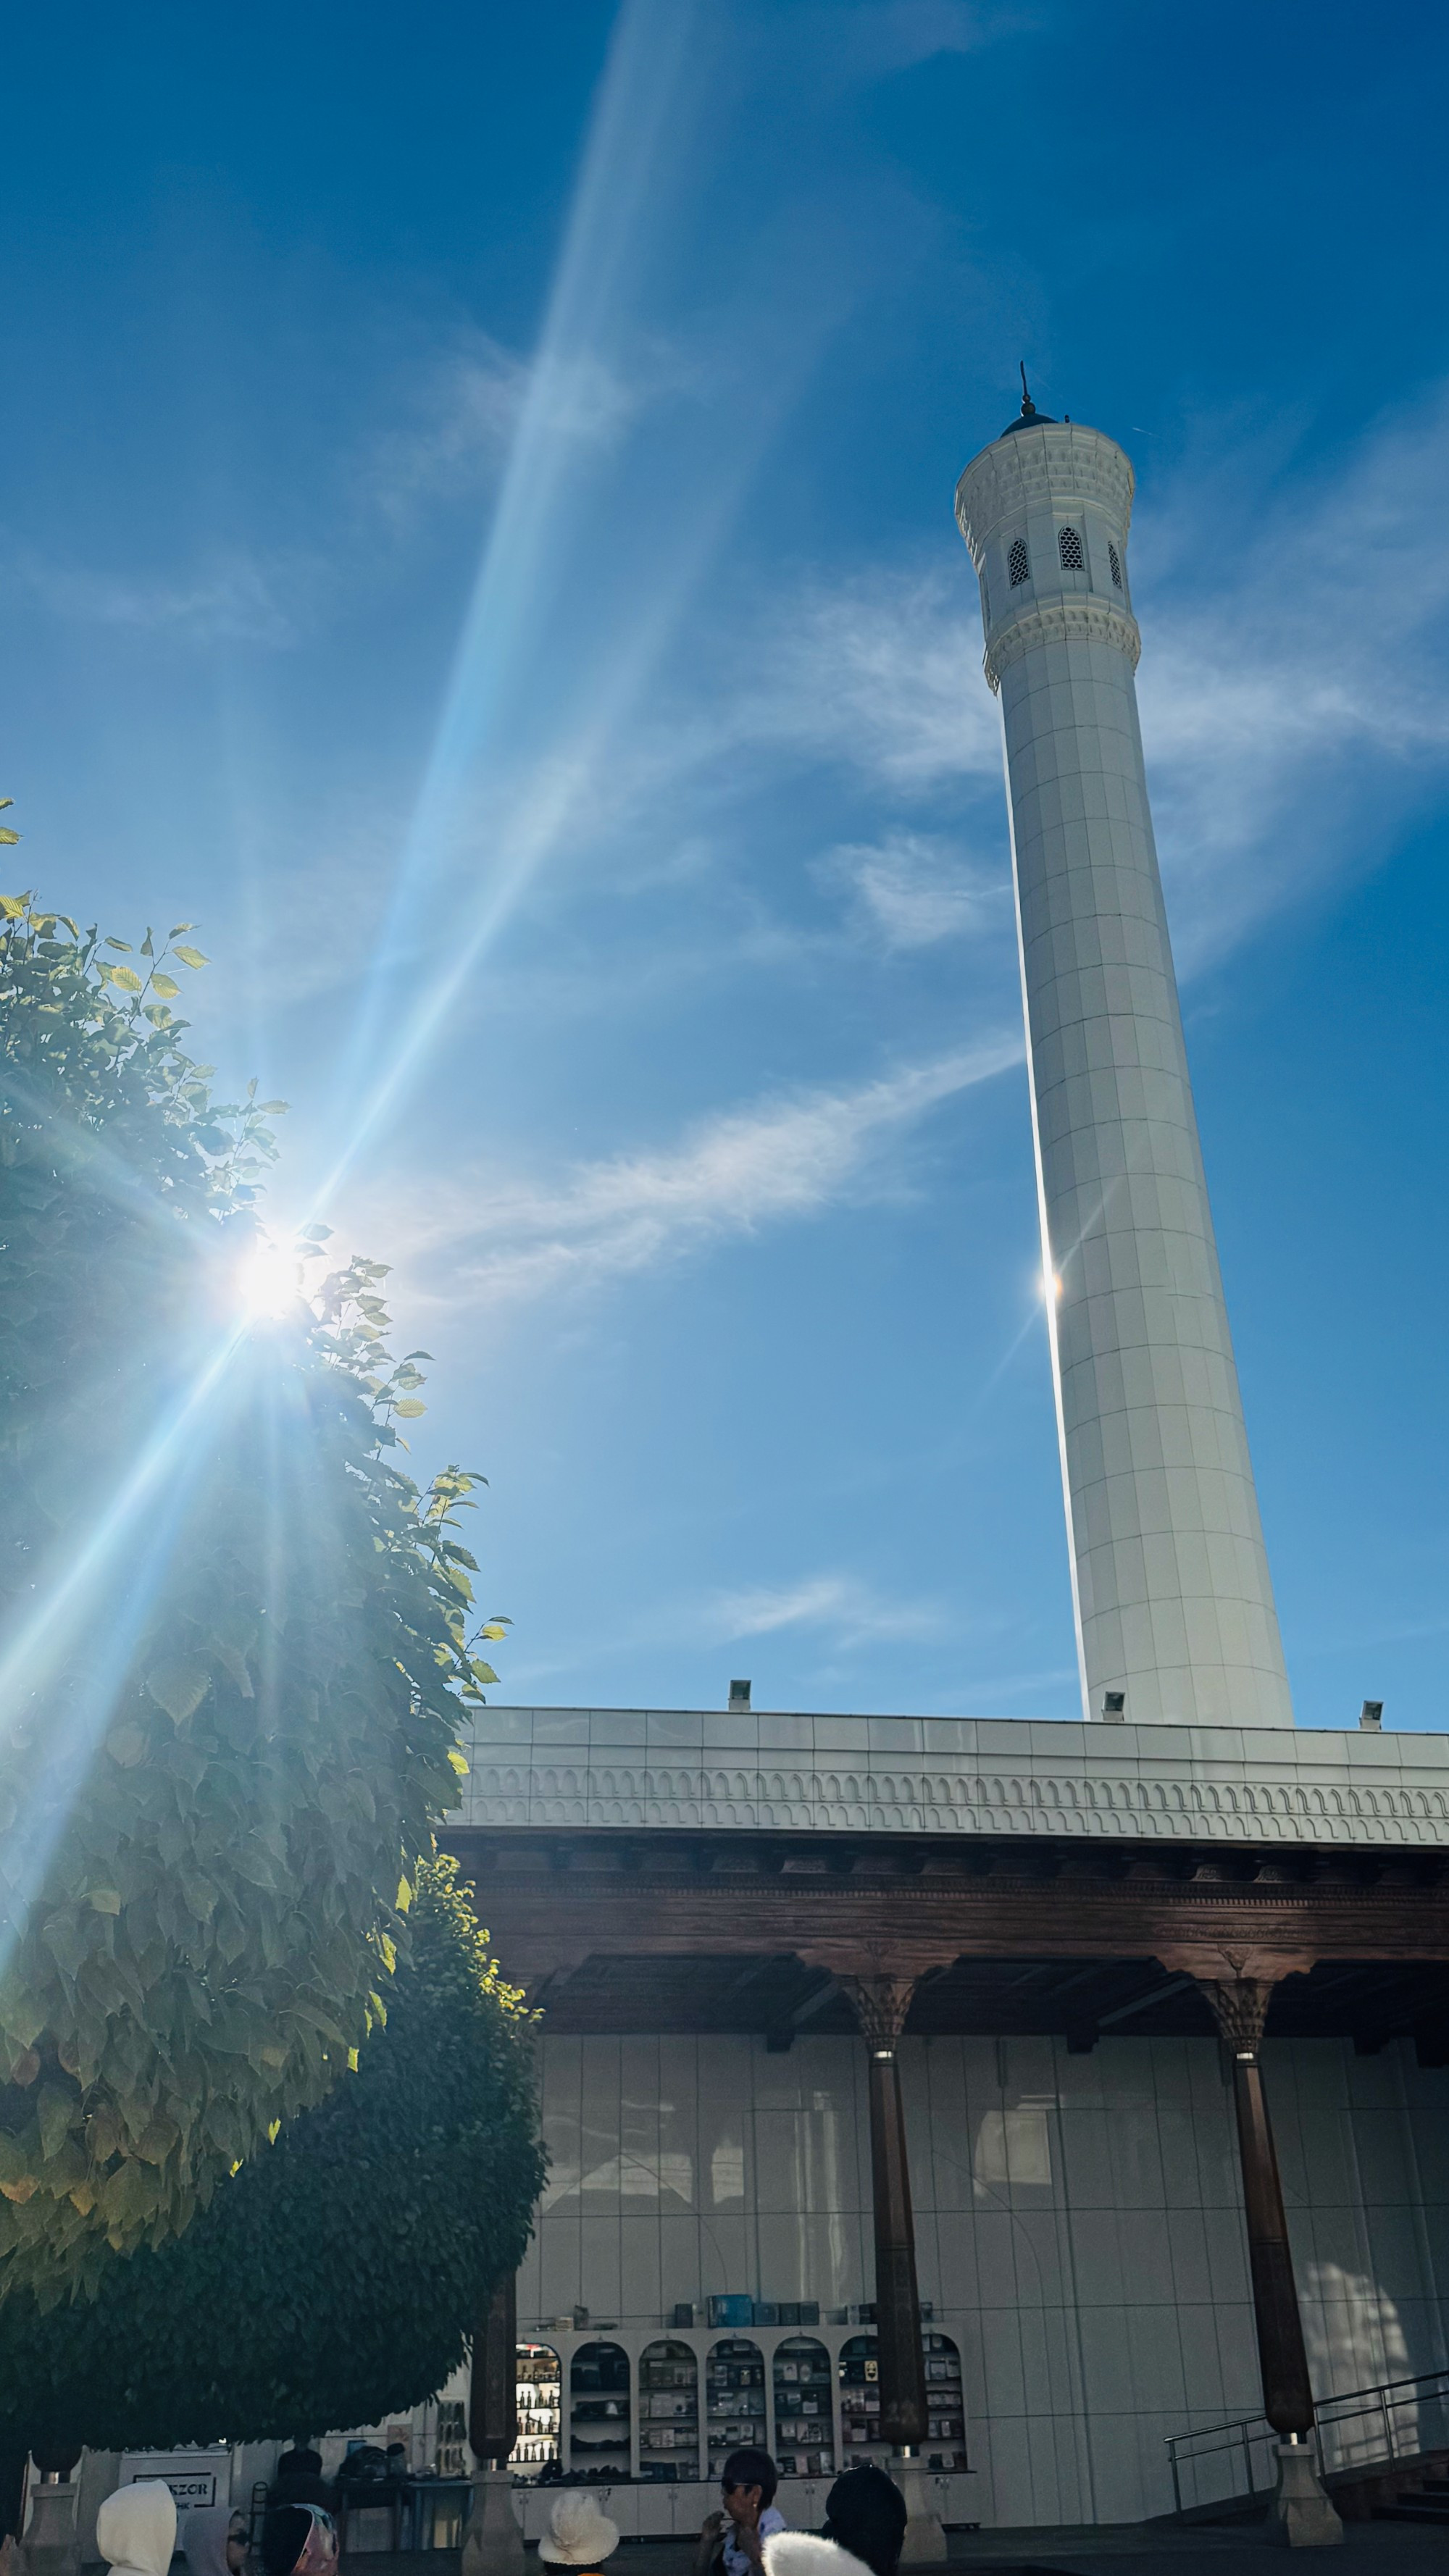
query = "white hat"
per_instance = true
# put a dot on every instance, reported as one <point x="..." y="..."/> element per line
<point x="578" y="2534"/>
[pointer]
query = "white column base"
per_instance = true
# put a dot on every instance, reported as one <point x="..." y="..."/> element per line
<point x="52" y="2543"/>
<point x="925" y="2539"/>
<point x="1300" y="2515"/>
<point x="493" y="2542"/>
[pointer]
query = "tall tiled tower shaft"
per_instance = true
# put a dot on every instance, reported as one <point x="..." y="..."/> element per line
<point x="1173" y="1600"/>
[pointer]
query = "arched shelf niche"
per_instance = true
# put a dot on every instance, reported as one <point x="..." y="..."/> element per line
<point x="859" y="2396"/>
<point x="668" y="2412"/>
<point x="945" y="2403"/>
<point x="598" y="2414"/>
<point x="538" y="2393"/>
<point x="804" y="2412"/>
<point x="734" y="2399"/>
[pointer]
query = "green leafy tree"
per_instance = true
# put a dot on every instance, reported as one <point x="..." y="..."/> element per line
<point x="234" y="1645"/>
<point x="336" y="2277"/>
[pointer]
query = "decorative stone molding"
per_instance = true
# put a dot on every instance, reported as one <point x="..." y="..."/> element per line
<point x="1078" y="621"/>
<point x="1034" y="468"/>
<point x="1107" y="1784"/>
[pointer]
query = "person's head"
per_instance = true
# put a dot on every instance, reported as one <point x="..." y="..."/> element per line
<point x="298" y="2540"/>
<point x="747" y="2482"/>
<point x="136" y="2527"/>
<point x="579" y="2534"/>
<point x="214" y="2539"/>
<point x="866" y="2514"/>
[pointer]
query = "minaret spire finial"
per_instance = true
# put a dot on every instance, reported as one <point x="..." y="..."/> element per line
<point x="1028" y="407"/>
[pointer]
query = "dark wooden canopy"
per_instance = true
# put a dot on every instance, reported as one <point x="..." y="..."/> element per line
<point x="743" y="1931"/>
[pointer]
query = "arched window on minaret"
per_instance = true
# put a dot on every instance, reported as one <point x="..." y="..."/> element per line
<point x="1018" y="563"/>
<point x="1115" y="562"/>
<point x="1069" y="547"/>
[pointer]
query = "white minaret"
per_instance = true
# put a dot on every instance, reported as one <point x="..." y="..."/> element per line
<point x="1174" y="1604"/>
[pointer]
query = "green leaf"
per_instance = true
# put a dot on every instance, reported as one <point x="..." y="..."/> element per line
<point x="12" y="905"/>
<point x="409" y="1408"/>
<point x="190" y="956"/>
<point x="123" y="944"/>
<point x="165" y="985"/>
<point x="54" y="2111"/>
<point x="179" y="1686"/>
<point x="258" y="1843"/>
<point x="127" y="978"/>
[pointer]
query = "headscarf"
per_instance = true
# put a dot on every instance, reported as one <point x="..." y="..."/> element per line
<point x="866" y="2513"/>
<point x="299" y="2540"/>
<point x="136" y="2528"/>
<point x="204" y="2535"/>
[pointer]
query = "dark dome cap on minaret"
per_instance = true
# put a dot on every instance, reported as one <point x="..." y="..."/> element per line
<point x="1029" y="417"/>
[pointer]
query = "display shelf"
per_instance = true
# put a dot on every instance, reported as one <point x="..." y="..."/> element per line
<point x="804" y="2412"/>
<point x="945" y="2443"/>
<point x="859" y="2394"/>
<point x="538" y="2393"/>
<point x="668" y="2413"/>
<point x="599" y="2413"/>
<point x="735" y="2399"/>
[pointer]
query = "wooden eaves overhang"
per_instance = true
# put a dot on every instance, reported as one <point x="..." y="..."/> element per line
<point x="620" y="1930"/>
<point x="1021" y="1876"/>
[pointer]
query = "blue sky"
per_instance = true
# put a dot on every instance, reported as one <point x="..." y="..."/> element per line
<point x="476" y="535"/>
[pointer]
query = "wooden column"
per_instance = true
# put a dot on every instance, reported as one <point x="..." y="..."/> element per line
<point x="1241" y="2009"/>
<point x="881" y="2004"/>
<point x="493" y="2391"/>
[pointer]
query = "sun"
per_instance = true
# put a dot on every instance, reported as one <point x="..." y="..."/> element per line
<point x="268" y="1281"/>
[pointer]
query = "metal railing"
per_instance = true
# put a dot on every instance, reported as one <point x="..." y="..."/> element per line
<point x="1394" y="2421"/>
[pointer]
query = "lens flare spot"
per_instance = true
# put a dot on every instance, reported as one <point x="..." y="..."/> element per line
<point x="268" y="1282"/>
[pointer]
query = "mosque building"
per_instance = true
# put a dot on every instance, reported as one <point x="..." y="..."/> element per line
<point x="1055" y="2111"/>
<point x="1058" y="2113"/>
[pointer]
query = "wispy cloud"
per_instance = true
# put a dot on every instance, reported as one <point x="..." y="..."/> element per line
<point x="780" y="1160"/>
<point x="468" y="405"/>
<point x="882" y="672"/>
<point x="235" y="597"/>
<point x="913" y="889"/>
<point x="839" y="1602"/>
<point x="867" y="40"/>
<point x="1296" y="706"/>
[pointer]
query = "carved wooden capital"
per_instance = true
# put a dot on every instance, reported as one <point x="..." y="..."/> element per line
<point x="1240" y="2008"/>
<point x="880" y="2004"/>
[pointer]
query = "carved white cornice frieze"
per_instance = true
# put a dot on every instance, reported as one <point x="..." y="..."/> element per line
<point x="1066" y="621"/>
<point x="1041" y="468"/>
<point x="1301" y="1798"/>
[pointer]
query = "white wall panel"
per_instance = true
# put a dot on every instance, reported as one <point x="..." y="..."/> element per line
<point x="1079" y="2224"/>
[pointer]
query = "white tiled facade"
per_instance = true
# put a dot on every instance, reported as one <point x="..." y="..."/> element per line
<point x="742" y="1770"/>
<point x="1079" y="2225"/>
<point x="1174" y="1600"/>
